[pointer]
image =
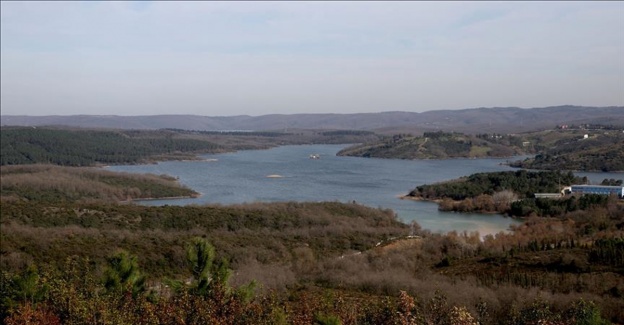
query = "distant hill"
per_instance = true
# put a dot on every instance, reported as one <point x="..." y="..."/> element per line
<point x="439" y="145"/>
<point x="582" y="148"/>
<point x="586" y="150"/>
<point x="476" y="120"/>
<point x="71" y="146"/>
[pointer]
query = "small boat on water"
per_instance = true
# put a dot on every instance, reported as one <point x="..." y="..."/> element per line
<point x="315" y="156"/>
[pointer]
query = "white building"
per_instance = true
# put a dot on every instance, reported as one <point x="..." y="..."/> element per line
<point x="598" y="189"/>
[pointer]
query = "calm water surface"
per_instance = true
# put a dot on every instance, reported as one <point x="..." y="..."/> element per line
<point x="242" y="177"/>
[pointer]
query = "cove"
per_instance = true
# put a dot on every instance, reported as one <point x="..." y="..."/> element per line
<point x="288" y="173"/>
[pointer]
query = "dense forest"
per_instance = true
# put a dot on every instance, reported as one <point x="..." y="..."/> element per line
<point x="88" y="147"/>
<point x="439" y="145"/>
<point x="83" y="147"/>
<point x="511" y="193"/>
<point x="523" y="183"/>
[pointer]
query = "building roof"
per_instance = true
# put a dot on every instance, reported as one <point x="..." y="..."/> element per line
<point x="599" y="186"/>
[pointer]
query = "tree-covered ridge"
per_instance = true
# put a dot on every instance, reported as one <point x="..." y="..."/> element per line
<point x="439" y="145"/>
<point x="523" y="183"/>
<point x="512" y="193"/>
<point x="49" y="183"/>
<point x="83" y="147"/>
<point x="89" y="147"/>
<point x="559" y="149"/>
<point x="600" y="151"/>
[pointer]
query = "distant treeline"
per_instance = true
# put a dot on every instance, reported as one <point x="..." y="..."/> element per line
<point x="82" y="147"/>
<point x="347" y="132"/>
<point x="237" y="133"/>
<point x="89" y="147"/>
<point x="590" y="126"/>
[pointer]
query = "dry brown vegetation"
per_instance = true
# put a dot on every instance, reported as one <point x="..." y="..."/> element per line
<point x="300" y="252"/>
<point x="55" y="183"/>
<point x="315" y="263"/>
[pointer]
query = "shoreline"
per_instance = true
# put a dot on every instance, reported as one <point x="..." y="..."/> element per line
<point x="421" y="199"/>
<point x="447" y="158"/>
<point x="162" y="198"/>
<point x="438" y="201"/>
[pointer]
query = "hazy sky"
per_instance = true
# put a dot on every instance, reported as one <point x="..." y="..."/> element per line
<point x="232" y="58"/>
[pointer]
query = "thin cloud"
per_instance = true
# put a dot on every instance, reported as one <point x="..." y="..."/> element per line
<point x="230" y="58"/>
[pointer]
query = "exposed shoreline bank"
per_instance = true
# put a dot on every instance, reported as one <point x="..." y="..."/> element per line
<point x="162" y="198"/>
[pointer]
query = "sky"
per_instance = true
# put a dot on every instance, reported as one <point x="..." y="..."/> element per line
<point x="255" y="58"/>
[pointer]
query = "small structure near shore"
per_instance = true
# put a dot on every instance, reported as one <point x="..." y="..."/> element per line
<point x="598" y="189"/>
<point x="547" y="195"/>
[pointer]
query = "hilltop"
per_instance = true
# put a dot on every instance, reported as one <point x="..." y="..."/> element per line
<point x="586" y="148"/>
<point x="439" y="145"/>
<point x="581" y="149"/>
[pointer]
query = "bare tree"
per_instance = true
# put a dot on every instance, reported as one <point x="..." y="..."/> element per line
<point x="503" y="199"/>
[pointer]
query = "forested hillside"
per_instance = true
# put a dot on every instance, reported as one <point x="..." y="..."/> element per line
<point x="587" y="148"/>
<point x="88" y="147"/>
<point x="439" y="145"/>
<point x="81" y="147"/>
<point x="601" y="150"/>
<point x="523" y="183"/>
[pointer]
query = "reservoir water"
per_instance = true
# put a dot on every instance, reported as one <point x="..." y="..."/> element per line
<point x="288" y="174"/>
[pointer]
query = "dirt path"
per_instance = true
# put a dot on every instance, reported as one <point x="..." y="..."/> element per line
<point x="420" y="147"/>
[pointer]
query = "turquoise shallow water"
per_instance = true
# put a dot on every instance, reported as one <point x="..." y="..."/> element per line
<point x="242" y="177"/>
